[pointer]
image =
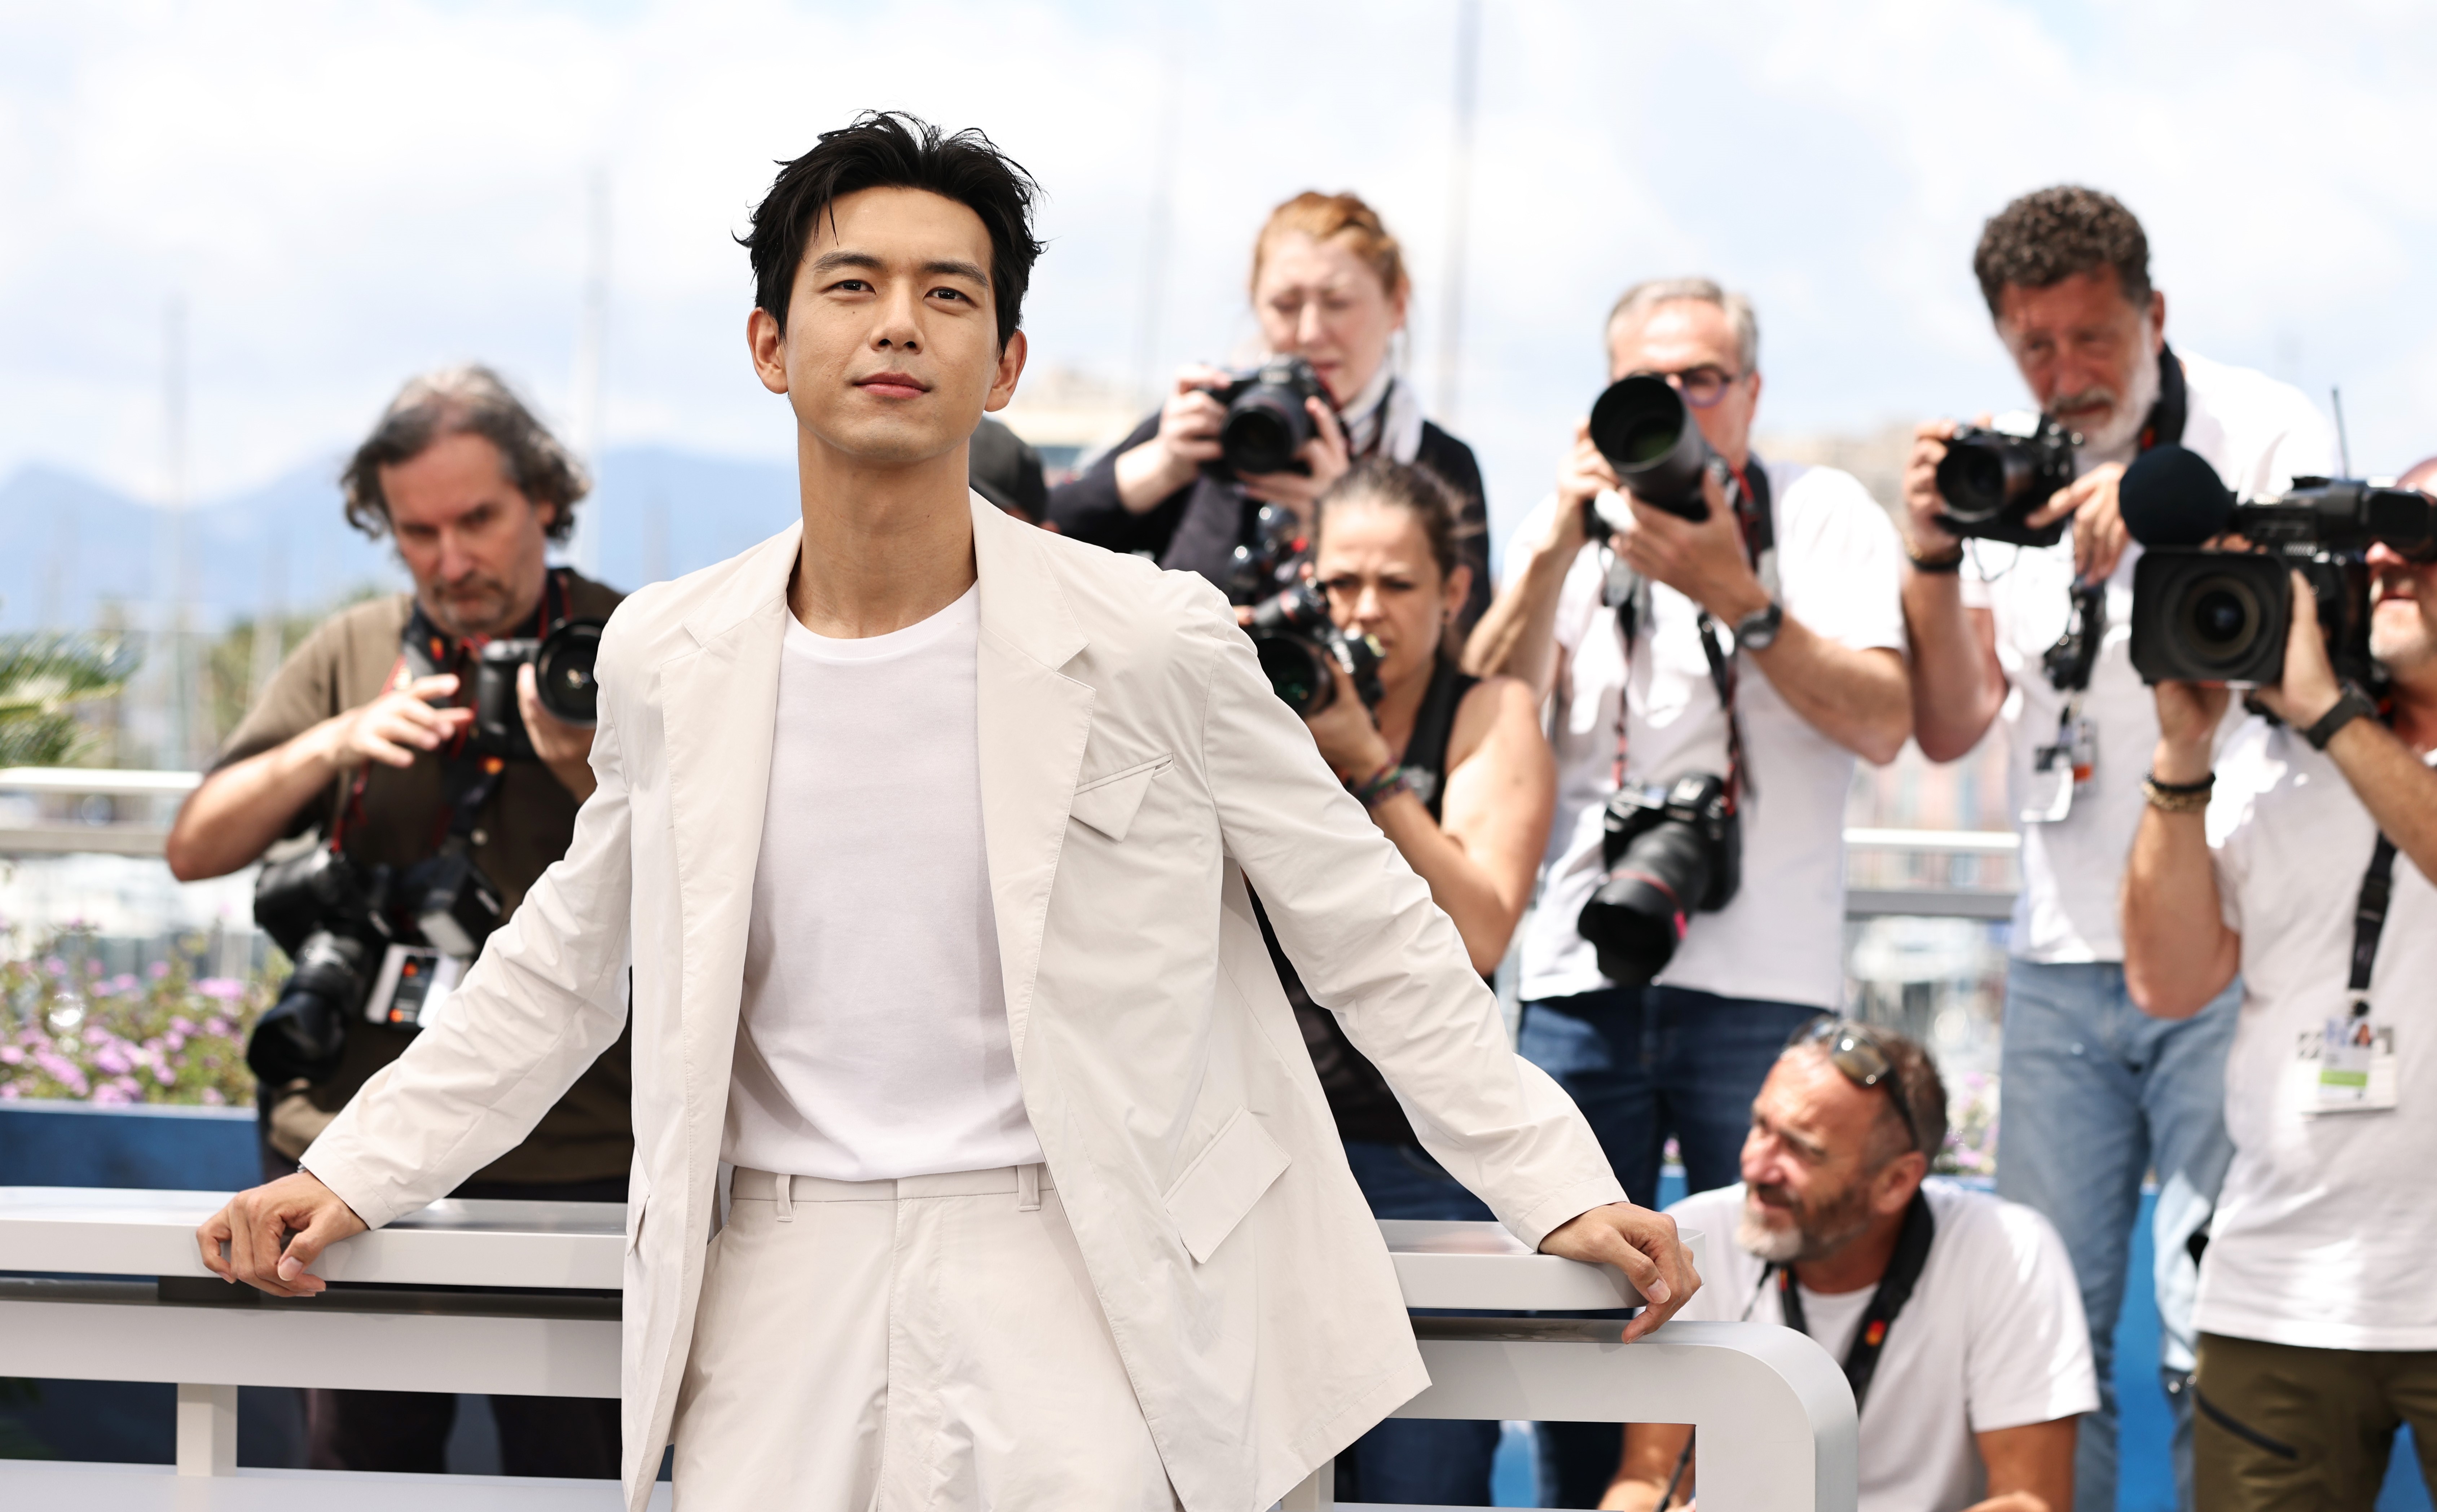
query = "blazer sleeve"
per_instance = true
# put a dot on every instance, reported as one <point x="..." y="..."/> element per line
<point x="546" y="996"/>
<point x="1362" y="929"/>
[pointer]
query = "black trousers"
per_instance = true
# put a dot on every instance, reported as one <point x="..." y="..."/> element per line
<point x="408" y="1431"/>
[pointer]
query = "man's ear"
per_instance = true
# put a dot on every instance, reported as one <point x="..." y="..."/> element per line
<point x="1896" y="1181"/>
<point x="765" y="341"/>
<point x="1011" y="368"/>
<point x="2157" y="319"/>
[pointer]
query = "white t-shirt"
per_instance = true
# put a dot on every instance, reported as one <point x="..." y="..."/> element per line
<point x="874" y="1043"/>
<point x="1782" y="937"/>
<point x="2259" y="435"/>
<point x="1992" y="1338"/>
<point x="2324" y="1230"/>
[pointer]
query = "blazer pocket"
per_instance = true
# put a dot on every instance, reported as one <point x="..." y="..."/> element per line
<point x="1108" y="803"/>
<point x="1239" y="1164"/>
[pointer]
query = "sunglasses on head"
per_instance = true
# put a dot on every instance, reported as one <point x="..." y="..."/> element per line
<point x="1857" y="1051"/>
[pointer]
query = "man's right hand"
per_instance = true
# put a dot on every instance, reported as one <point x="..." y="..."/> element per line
<point x="276" y="1233"/>
<point x="1581" y="477"/>
<point x="384" y="730"/>
<point x="1923" y="508"/>
<point x="1187" y="437"/>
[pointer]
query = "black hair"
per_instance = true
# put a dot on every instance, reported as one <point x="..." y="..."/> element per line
<point x="2048" y="236"/>
<point x="471" y="401"/>
<point x="890" y="150"/>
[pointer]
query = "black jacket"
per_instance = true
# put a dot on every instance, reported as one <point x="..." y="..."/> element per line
<point x="1197" y="528"/>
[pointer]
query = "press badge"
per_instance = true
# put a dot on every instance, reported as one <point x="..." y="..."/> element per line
<point x="414" y="982"/>
<point x="2058" y="769"/>
<point x="2346" y="1065"/>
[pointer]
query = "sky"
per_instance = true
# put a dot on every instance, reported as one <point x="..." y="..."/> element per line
<point x="339" y="194"/>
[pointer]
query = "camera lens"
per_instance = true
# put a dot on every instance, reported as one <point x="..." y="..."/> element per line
<point x="563" y="673"/>
<point x="1971" y="480"/>
<point x="1643" y="429"/>
<point x="1298" y="672"/>
<point x="2220" y="619"/>
<point x="1636" y="917"/>
<point x="1262" y="432"/>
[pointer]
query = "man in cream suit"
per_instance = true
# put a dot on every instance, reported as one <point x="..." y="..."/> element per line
<point x="927" y="836"/>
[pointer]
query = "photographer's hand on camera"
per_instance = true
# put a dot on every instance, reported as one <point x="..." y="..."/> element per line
<point x="1924" y="508"/>
<point x="565" y="749"/>
<point x="1703" y="559"/>
<point x="1346" y="733"/>
<point x="1517" y="637"/>
<point x="1187" y="437"/>
<point x="1326" y="454"/>
<point x="2099" y="534"/>
<point x="383" y="729"/>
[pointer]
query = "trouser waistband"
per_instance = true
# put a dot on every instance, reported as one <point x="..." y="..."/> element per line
<point x="1026" y="1182"/>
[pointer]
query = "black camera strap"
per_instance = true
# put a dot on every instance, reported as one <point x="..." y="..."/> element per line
<point x="1895" y="1289"/>
<point x="2369" y="916"/>
<point x="467" y="777"/>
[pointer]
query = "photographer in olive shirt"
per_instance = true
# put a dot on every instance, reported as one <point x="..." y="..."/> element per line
<point x="349" y="740"/>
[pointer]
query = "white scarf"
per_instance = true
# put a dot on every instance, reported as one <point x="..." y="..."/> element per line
<point x="1384" y="404"/>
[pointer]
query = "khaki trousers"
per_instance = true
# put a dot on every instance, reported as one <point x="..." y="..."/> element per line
<point x="2284" y="1428"/>
<point x="926" y="1344"/>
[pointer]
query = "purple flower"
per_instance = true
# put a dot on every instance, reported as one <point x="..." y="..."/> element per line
<point x="11" y="1055"/>
<point x="211" y="1096"/>
<point x="217" y="1025"/>
<point x="165" y="1075"/>
<point x="112" y="1060"/>
<point x="9" y="1090"/>
<point x="56" y="966"/>
<point x="157" y="970"/>
<point x="175" y="1043"/>
<point x="224" y="988"/>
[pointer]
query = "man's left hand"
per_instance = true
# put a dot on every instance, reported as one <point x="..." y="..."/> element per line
<point x="1640" y="1243"/>
<point x="2309" y="687"/>
<point x="565" y="749"/>
<point x="1701" y="559"/>
<point x="2099" y="534"/>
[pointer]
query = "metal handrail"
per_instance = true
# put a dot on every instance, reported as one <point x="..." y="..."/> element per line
<point x="106" y="781"/>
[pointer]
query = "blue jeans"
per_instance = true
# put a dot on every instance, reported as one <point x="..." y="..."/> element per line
<point x="1432" y="1461"/>
<point x="1645" y="1063"/>
<point x="2097" y="1095"/>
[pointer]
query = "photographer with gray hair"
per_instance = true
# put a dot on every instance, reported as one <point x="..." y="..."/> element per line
<point x="368" y="755"/>
<point x="1955" y="1313"/>
<point x="1744" y="660"/>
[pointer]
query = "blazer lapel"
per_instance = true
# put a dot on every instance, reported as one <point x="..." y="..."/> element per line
<point x="1033" y="722"/>
<point x="720" y="703"/>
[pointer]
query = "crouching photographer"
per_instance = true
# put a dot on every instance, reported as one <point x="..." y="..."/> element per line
<point x="2301" y="858"/>
<point x="423" y="756"/>
<point x="1455" y="771"/>
<point x="1221" y="480"/>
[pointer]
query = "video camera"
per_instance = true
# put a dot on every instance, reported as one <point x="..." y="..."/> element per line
<point x="2208" y="614"/>
<point x="1644" y="428"/>
<point x="1299" y="643"/>
<point x="1991" y="480"/>
<point x="1267" y="424"/>
<point x="373" y="942"/>
<point x="1667" y="852"/>
<point x="562" y="662"/>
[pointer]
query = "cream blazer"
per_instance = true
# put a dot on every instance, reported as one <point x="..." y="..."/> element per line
<point x="1136" y="773"/>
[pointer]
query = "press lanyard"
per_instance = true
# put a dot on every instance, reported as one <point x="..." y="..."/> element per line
<point x="1895" y="1289"/>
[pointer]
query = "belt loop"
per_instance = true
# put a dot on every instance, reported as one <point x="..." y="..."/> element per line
<point x="1027" y="1189"/>
<point x="784" y="1191"/>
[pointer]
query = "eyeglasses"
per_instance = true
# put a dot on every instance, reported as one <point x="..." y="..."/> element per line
<point x="1701" y="386"/>
<point x="1856" y="1050"/>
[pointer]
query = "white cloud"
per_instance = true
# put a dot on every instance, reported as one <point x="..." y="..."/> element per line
<point x="347" y="192"/>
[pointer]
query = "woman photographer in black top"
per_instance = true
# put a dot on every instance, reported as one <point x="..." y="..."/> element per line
<point x="1329" y="286"/>
<point x="1454" y="769"/>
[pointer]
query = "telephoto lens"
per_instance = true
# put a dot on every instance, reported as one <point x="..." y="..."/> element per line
<point x="1642" y="425"/>
<point x="303" y="1034"/>
<point x="1267" y="424"/>
<point x="1299" y="646"/>
<point x="1669" y="852"/>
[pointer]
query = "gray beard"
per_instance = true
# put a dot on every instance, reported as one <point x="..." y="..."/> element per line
<point x="1813" y="1236"/>
<point x="2122" y="435"/>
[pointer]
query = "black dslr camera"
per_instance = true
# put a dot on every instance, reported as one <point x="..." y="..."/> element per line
<point x="1267" y="424"/>
<point x="1667" y="852"/>
<point x="1298" y="644"/>
<point x="1272" y="561"/>
<point x="562" y="662"/>
<point x="368" y="942"/>
<point x="2207" y="615"/>
<point x="1642" y="425"/>
<point x="1991" y="481"/>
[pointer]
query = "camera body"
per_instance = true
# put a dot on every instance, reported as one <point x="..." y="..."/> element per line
<point x="1647" y="433"/>
<point x="1668" y="851"/>
<point x="562" y="662"/>
<point x="368" y="942"/>
<point x="2202" y="614"/>
<point x="1993" y="480"/>
<point x="1298" y="644"/>
<point x="1267" y="425"/>
<point x="1272" y="562"/>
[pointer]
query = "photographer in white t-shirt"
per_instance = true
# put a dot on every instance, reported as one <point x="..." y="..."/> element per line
<point x="1815" y="664"/>
<point x="2317" y="1319"/>
<point x="2097" y="1097"/>
<point x="1954" y="1314"/>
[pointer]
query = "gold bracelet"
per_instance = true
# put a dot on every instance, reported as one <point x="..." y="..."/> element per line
<point x="2179" y="798"/>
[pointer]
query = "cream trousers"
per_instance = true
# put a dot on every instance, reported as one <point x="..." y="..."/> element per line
<point x="931" y="1342"/>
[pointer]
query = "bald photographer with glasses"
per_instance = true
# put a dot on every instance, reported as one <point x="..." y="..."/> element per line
<point x="1954" y="1314"/>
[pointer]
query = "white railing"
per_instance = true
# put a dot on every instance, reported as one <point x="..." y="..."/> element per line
<point x="1770" y="1391"/>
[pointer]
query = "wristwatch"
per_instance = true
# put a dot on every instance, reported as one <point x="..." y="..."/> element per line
<point x="1756" y="631"/>
<point x="2355" y="704"/>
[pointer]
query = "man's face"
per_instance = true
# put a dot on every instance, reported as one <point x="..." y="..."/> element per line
<point x="2403" y="612"/>
<point x="1691" y="338"/>
<point x="2089" y="356"/>
<point x="890" y="352"/>
<point x="1817" y="1141"/>
<point x="471" y="538"/>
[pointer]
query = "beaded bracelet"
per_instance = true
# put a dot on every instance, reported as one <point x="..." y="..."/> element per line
<point x="2179" y="798"/>
<point x="1384" y="784"/>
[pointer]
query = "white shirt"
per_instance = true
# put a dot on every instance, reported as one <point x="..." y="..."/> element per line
<point x="2259" y="435"/>
<point x="2323" y="1232"/>
<point x="874" y="1043"/>
<point x="1992" y="1338"/>
<point x="1782" y="937"/>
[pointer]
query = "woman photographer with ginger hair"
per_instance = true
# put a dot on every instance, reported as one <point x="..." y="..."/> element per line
<point x="1329" y="286"/>
<point x="1455" y="771"/>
